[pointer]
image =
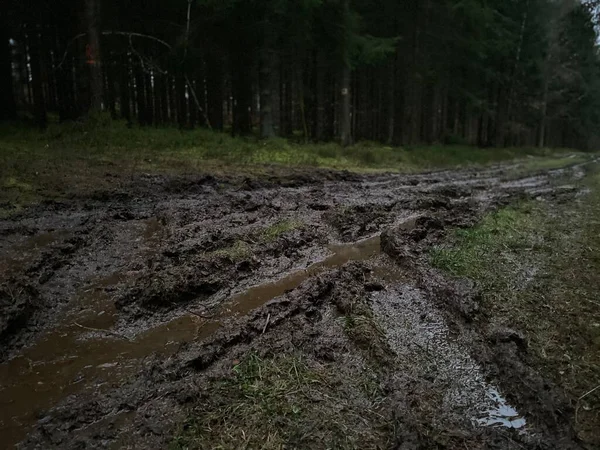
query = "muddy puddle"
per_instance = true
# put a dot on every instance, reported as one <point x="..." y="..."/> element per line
<point x="500" y="414"/>
<point x="257" y="296"/>
<point x="26" y="251"/>
<point x="83" y="353"/>
<point x="341" y="254"/>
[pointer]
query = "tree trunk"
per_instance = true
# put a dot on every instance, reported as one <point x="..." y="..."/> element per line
<point x="39" y="103"/>
<point x="110" y="91"/>
<point x="8" y="107"/>
<point x="92" y="14"/>
<point x="214" y="91"/>
<point x="346" y="79"/>
<point x="542" y="133"/>
<point x="391" y="103"/>
<point x="242" y="95"/>
<point x="285" y="99"/>
<point x="345" y="114"/>
<point x="267" y="56"/>
<point x="149" y="113"/>
<point x="163" y="88"/>
<point x="66" y="100"/>
<point x="319" y="107"/>
<point x="140" y="95"/>
<point x="124" y="90"/>
<point x="200" y="90"/>
<point x="182" y="111"/>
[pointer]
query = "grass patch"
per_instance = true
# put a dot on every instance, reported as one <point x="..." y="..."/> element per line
<point x="272" y="232"/>
<point x="539" y="268"/>
<point x="236" y="252"/>
<point x="284" y="402"/>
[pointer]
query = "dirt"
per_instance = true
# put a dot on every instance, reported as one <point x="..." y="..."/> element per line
<point x="118" y="309"/>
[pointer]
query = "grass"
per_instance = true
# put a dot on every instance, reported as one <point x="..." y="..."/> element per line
<point x="76" y="158"/>
<point x="279" y="228"/>
<point x="539" y="268"/>
<point x="533" y="165"/>
<point x="242" y="249"/>
<point x="236" y="252"/>
<point x="284" y="402"/>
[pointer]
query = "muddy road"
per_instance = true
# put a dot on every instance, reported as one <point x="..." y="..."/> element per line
<point x="116" y="309"/>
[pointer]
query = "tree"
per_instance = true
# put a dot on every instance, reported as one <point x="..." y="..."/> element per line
<point x="490" y="73"/>
<point x="94" y="60"/>
<point x="8" y="108"/>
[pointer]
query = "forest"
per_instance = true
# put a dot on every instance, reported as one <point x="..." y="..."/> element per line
<point x="491" y="73"/>
<point x="300" y="224"/>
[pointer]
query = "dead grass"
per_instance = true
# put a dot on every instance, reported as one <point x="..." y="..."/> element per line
<point x="539" y="267"/>
<point x="285" y="402"/>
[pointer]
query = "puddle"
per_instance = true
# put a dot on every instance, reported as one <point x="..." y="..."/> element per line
<point x="501" y="414"/>
<point x="83" y="354"/>
<point x="418" y="333"/>
<point x="257" y="296"/>
<point x="389" y="272"/>
<point x="21" y="254"/>
<point x="153" y="230"/>
<point x="362" y="250"/>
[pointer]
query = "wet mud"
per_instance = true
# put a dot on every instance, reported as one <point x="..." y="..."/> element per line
<point x="116" y="309"/>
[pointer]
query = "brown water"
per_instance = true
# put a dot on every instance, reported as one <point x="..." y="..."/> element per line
<point x="257" y="296"/>
<point x="83" y="354"/>
<point x="25" y="252"/>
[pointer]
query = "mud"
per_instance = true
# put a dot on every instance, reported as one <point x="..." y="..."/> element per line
<point x="115" y="309"/>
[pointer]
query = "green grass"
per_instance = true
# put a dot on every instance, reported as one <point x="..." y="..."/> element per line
<point x="539" y="268"/>
<point x="77" y="158"/>
<point x="170" y="148"/>
<point x="278" y="229"/>
<point x="236" y="252"/>
<point x="284" y="402"/>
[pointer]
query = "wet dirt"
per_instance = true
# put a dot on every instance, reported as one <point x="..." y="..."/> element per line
<point x="84" y="353"/>
<point x="144" y="278"/>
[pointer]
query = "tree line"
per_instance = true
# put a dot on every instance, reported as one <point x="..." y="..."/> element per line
<point x="403" y="72"/>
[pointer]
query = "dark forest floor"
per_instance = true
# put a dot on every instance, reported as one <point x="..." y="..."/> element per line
<point x="298" y="307"/>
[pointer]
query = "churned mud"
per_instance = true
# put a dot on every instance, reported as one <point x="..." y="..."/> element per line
<point x="118" y="310"/>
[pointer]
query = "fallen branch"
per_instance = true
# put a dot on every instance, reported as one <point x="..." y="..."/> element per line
<point x="266" y="323"/>
<point x="589" y="392"/>
<point x="130" y="34"/>
<point x="202" y="316"/>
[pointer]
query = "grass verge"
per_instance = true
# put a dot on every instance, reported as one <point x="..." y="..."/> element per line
<point x="539" y="267"/>
<point x="82" y="157"/>
<point x="284" y="402"/>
